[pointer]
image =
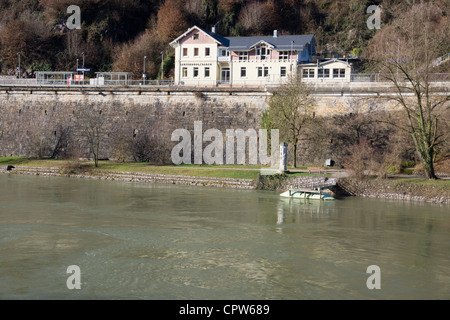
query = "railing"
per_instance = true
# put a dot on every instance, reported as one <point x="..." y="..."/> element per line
<point x="62" y="82"/>
<point x="378" y="77"/>
<point x="223" y="58"/>
<point x="315" y="183"/>
<point x="262" y="83"/>
<point x="145" y="83"/>
<point x="16" y="81"/>
<point x="365" y="78"/>
<point x="336" y="55"/>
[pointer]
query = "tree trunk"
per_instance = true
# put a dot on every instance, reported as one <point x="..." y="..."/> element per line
<point x="428" y="167"/>
<point x="294" y="156"/>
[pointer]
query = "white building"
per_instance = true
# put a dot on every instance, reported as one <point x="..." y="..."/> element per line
<point x="333" y="70"/>
<point x="207" y="59"/>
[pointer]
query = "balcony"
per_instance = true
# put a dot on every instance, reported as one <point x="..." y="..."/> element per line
<point x="224" y="58"/>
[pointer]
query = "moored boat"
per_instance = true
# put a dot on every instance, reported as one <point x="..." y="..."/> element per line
<point x="307" y="194"/>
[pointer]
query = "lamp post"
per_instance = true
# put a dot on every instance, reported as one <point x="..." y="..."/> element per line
<point x="162" y="65"/>
<point x="83" y="66"/>
<point x="18" y="53"/>
<point x="292" y="53"/>
<point x="398" y="54"/>
<point x="143" y="74"/>
<point x="292" y="49"/>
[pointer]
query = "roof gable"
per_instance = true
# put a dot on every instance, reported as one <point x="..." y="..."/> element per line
<point x="261" y="42"/>
<point x="334" y="60"/>
<point x="208" y="34"/>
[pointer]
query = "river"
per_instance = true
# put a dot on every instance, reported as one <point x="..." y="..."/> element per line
<point x="148" y="241"/>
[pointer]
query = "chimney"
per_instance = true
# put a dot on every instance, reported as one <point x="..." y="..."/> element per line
<point x="275" y="33"/>
<point x="213" y="29"/>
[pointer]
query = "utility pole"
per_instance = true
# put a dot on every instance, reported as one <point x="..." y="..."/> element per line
<point x="398" y="55"/>
<point x="83" y="66"/>
<point x="143" y="74"/>
<point x="162" y="65"/>
<point x="20" y="76"/>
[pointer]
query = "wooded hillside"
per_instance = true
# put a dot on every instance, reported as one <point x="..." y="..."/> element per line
<point x="117" y="34"/>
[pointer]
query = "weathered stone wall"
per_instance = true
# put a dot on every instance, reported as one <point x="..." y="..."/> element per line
<point x="33" y="119"/>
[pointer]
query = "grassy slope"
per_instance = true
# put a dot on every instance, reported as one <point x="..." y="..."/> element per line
<point x="226" y="171"/>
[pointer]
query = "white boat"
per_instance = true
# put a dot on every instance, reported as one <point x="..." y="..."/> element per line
<point x="306" y="194"/>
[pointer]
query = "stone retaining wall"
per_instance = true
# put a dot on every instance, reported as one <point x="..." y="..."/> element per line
<point x="33" y="119"/>
<point x="139" y="177"/>
<point x="386" y="189"/>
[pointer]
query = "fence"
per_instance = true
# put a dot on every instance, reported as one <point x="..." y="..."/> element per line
<point x="377" y="77"/>
<point x="65" y="82"/>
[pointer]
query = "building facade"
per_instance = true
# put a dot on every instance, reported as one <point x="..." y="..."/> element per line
<point x="333" y="70"/>
<point x="205" y="58"/>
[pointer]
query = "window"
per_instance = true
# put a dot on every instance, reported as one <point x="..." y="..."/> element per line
<point x="308" y="73"/>
<point x="243" y="56"/>
<point x="185" y="72"/>
<point x="207" y="52"/>
<point x="323" y="73"/>
<point x="196" y="36"/>
<point x="283" y="71"/>
<point x="283" y="55"/>
<point x="185" y="52"/>
<point x="195" y="72"/>
<point x="263" y="52"/>
<point x="243" y="72"/>
<point x="263" y="72"/>
<point x="195" y="52"/>
<point x="224" y="53"/>
<point x="338" y="73"/>
<point x="206" y="72"/>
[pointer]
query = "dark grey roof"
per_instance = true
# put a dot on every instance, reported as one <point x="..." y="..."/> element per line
<point x="295" y="42"/>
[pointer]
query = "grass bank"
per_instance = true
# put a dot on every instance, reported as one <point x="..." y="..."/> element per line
<point x="87" y="167"/>
<point x="418" y="189"/>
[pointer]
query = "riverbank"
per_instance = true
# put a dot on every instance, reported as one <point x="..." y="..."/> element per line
<point x="414" y="189"/>
<point x="136" y="177"/>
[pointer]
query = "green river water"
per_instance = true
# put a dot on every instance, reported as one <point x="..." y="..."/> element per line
<point x="147" y="241"/>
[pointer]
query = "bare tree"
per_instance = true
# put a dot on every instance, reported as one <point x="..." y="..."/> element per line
<point x="252" y="16"/>
<point x="290" y="108"/>
<point x="92" y="127"/>
<point x="404" y="53"/>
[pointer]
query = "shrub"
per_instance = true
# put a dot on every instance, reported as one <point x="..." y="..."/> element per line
<point x="75" y="167"/>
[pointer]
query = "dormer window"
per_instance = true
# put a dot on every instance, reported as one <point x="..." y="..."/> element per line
<point x="263" y="52"/>
<point x="243" y="56"/>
